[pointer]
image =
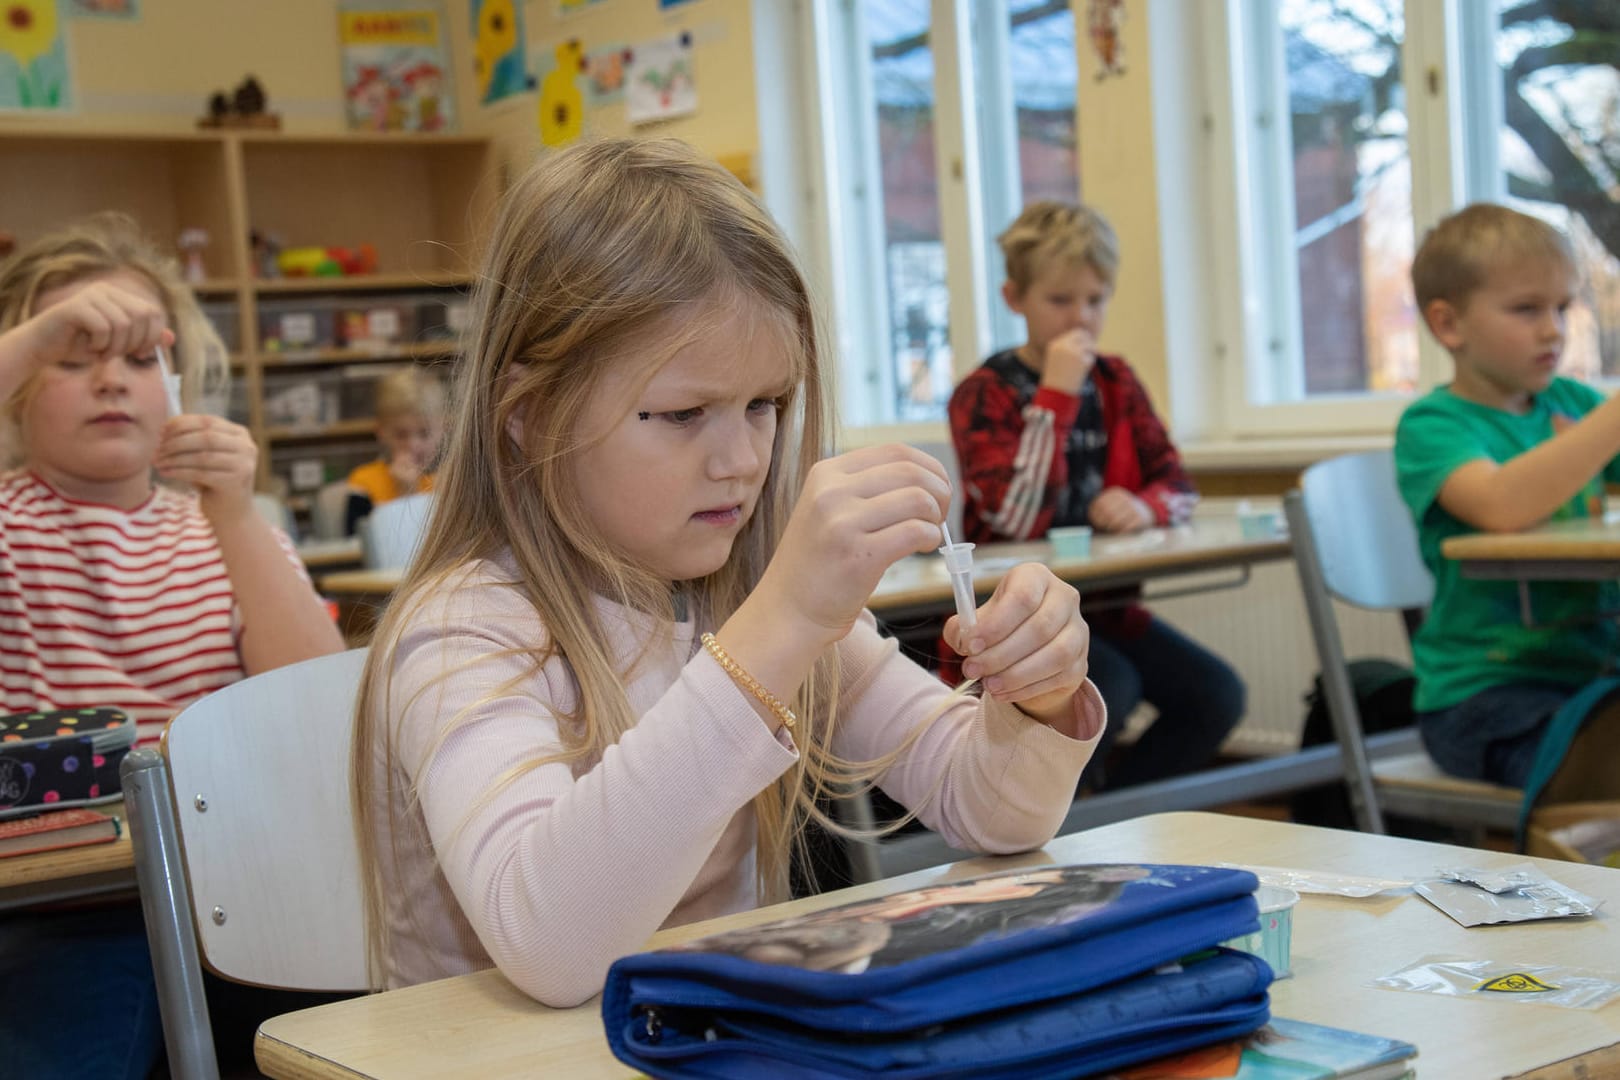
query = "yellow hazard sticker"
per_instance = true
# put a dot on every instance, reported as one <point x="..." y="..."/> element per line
<point x="1515" y="982"/>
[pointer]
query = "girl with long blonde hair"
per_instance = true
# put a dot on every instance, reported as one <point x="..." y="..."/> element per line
<point x="632" y="650"/>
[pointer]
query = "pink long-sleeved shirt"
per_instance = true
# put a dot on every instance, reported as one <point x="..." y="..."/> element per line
<point x="565" y="869"/>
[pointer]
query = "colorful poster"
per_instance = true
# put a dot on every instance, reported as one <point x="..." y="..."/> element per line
<point x="562" y="106"/>
<point x="499" y="59"/>
<point x="104" y="9"/>
<point x="395" y="77"/>
<point x="604" y="75"/>
<point x="34" y="73"/>
<point x="658" y="80"/>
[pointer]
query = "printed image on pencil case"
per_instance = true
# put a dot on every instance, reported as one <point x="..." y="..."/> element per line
<point x="52" y="759"/>
<point x="1027" y="973"/>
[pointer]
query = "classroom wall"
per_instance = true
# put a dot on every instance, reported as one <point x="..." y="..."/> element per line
<point x="158" y="70"/>
<point x="1118" y="176"/>
<point x="726" y="122"/>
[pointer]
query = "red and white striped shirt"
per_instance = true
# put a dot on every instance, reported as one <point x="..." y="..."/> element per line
<point x="101" y="606"/>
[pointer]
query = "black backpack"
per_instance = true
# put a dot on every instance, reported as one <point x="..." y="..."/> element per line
<point x="1383" y="692"/>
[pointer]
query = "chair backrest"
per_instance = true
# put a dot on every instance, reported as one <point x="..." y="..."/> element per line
<point x="389" y="537"/>
<point x="1353" y="538"/>
<point x="945" y="454"/>
<point x="260" y="772"/>
<point x="329" y="509"/>
<point x="1365" y="538"/>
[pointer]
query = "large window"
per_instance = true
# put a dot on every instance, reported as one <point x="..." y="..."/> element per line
<point x="947" y="116"/>
<point x="1354" y="124"/>
<point x="1560" y="152"/>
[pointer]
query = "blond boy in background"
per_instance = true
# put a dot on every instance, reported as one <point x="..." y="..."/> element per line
<point x="1507" y="445"/>
<point x="1056" y="432"/>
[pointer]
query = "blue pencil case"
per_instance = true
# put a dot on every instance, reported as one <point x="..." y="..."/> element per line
<point x="56" y="758"/>
<point x="1054" y="971"/>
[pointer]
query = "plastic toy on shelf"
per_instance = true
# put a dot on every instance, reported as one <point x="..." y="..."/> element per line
<point x="327" y="261"/>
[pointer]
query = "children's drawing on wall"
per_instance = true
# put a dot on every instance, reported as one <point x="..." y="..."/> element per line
<point x="604" y="75"/>
<point x="1105" y="24"/>
<point x="499" y="58"/>
<point x="658" y="81"/>
<point x="104" y="9"/>
<point x="562" y="105"/>
<point x="33" y="57"/>
<point x="395" y="77"/>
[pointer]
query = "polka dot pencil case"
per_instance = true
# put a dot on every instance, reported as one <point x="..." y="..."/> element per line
<point x="57" y="758"/>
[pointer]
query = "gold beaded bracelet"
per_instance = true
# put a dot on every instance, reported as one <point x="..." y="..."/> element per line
<point x="749" y="683"/>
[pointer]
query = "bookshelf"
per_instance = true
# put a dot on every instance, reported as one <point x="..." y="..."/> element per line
<point x="422" y="201"/>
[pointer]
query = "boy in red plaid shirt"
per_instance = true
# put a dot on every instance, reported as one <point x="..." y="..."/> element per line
<point x="1054" y="433"/>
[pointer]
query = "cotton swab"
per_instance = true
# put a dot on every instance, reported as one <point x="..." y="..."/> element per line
<point x="171" y="382"/>
<point x="959" y="564"/>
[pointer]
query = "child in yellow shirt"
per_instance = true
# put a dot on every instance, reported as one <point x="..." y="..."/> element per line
<point x="410" y="426"/>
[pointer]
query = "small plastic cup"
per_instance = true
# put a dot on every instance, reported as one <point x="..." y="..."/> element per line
<point x="1274" y="942"/>
<point x="1257" y="524"/>
<point x="1071" y="541"/>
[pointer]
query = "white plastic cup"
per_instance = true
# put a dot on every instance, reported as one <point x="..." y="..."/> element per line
<point x="1275" y="940"/>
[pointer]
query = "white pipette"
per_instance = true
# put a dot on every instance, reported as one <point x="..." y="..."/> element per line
<point x="171" y="382"/>
<point x="959" y="564"/>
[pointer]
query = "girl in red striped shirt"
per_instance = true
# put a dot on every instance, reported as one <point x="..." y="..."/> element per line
<point x="116" y="589"/>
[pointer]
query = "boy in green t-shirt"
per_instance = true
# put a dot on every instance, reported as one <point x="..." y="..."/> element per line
<point x="1507" y="445"/>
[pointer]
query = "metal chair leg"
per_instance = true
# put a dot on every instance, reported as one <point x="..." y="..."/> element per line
<point x="170" y="931"/>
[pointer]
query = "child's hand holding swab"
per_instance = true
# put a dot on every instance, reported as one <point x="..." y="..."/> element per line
<point x="1028" y="644"/>
<point x="857" y="515"/>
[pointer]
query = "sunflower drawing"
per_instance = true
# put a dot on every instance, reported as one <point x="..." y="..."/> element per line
<point x="28" y="32"/>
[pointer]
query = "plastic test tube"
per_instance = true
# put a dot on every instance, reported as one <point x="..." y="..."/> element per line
<point x="959" y="564"/>
<point x="171" y="382"/>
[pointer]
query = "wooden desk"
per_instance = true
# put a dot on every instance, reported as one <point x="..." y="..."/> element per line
<point x="322" y="554"/>
<point x="1211" y="543"/>
<point x="360" y="583"/>
<point x="1208" y="543"/>
<point x="479" y="1025"/>
<point x="1577" y="549"/>
<point x="70" y="873"/>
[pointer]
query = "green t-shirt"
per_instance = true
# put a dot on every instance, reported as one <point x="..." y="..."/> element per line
<point x="1473" y="637"/>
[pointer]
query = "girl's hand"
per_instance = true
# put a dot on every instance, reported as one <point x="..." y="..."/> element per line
<point x="1116" y="510"/>
<point x="216" y="457"/>
<point x="858" y="514"/>
<point x="101" y="318"/>
<point x="1030" y="645"/>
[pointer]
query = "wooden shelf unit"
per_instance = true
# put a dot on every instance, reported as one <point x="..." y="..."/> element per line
<point x="422" y="201"/>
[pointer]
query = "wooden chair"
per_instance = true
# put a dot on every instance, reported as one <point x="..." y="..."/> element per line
<point x="389" y="537"/>
<point x="243" y="846"/>
<point x="1354" y="541"/>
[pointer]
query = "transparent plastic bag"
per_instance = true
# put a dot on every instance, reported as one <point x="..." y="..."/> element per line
<point x="1532" y="984"/>
<point x="1321" y="882"/>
